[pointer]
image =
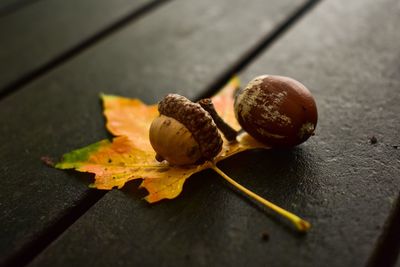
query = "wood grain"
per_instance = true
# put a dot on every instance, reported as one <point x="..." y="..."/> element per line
<point x="181" y="47"/>
<point x="338" y="180"/>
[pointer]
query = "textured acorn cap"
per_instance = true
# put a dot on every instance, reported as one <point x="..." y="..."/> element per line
<point x="196" y="119"/>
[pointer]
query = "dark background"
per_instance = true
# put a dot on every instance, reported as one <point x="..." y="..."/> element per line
<point x="57" y="56"/>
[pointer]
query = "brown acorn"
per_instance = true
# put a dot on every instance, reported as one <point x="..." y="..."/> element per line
<point x="184" y="133"/>
<point x="277" y="111"/>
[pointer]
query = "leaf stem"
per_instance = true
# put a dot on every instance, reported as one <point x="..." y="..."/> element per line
<point x="299" y="223"/>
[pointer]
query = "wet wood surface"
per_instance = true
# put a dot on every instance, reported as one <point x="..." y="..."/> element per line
<point x="346" y="186"/>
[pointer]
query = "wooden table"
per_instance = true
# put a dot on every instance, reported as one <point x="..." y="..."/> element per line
<point x="57" y="56"/>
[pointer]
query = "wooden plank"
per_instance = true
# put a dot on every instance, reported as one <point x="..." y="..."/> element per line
<point x="354" y="77"/>
<point x="8" y="3"/>
<point x="10" y="6"/>
<point x="338" y="180"/>
<point x="181" y="47"/>
<point x="38" y="33"/>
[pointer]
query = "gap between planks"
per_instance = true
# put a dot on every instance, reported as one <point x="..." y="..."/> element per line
<point x="387" y="248"/>
<point x="79" y="48"/>
<point x="14" y="7"/>
<point x="258" y="48"/>
<point x="33" y="248"/>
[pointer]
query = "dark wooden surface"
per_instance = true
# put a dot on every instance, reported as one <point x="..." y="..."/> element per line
<point x="8" y="7"/>
<point x="42" y="31"/>
<point x="346" y="53"/>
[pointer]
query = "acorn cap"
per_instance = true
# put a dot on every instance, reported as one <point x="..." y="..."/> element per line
<point x="196" y="119"/>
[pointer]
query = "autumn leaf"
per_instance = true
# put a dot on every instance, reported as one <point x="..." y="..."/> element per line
<point x="130" y="156"/>
<point x="129" y="117"/>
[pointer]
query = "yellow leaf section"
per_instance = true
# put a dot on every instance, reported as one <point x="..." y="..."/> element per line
<point x="131" y="118"/>
<point x="118" y="162"/>
<point x="170" y="186"/>
<point x="112" y="163"/>
<point x="244" y="142"/>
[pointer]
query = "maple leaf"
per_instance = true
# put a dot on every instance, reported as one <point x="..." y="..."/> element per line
<point x="130" y="155"/>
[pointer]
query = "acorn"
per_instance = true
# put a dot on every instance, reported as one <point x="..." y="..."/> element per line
<point x="184" y="133"/>
<point x="276" y="110"/>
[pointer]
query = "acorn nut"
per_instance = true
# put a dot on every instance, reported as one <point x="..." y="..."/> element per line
<point x="277" y="111"/>
<point x="184" y="133"/>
